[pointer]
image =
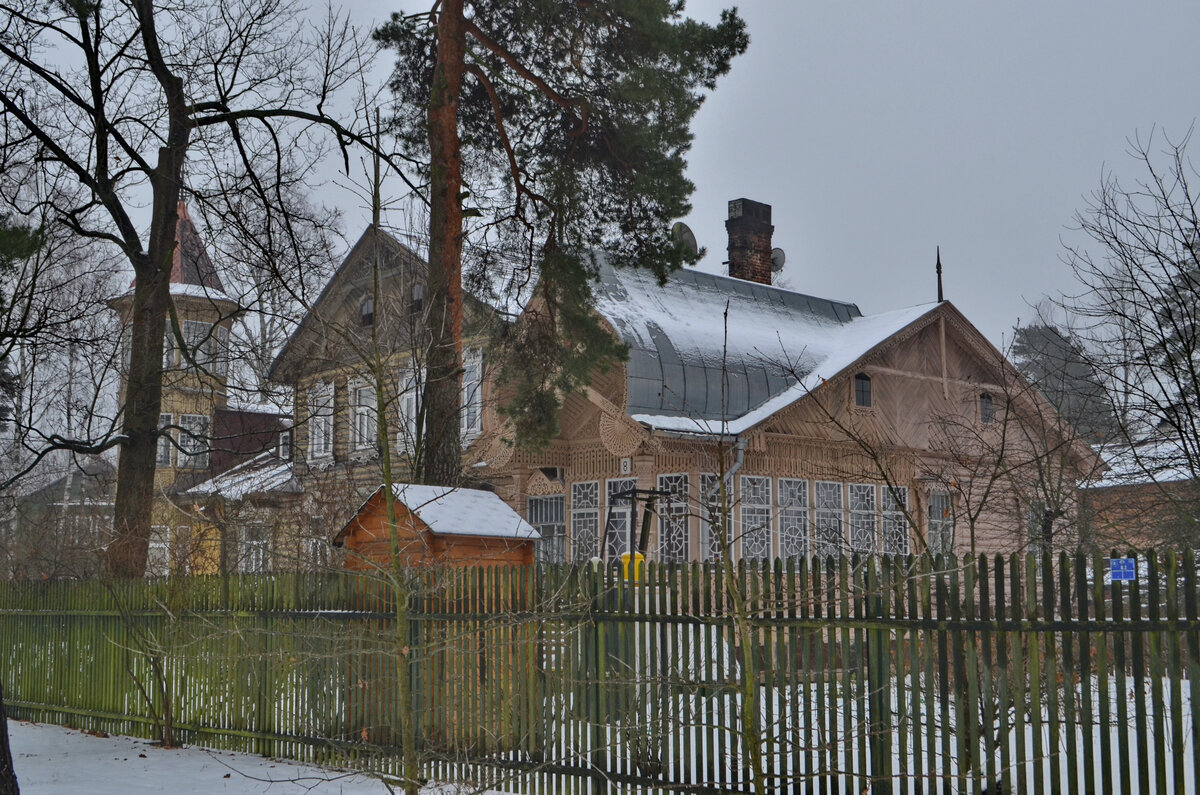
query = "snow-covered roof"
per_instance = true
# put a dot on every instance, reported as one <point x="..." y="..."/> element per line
<point x="468" y="512"/>
<point x="1154" y="460"/>
<point x="262" y="474"/>
<point x="692" y="367"/>
<point x="199" y="291"/>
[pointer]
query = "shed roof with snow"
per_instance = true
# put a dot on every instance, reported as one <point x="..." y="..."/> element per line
<point x="439" y="524"/>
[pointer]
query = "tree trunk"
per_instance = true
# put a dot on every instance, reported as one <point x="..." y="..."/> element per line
<point x="126" y="554"/>
<point x="8" y="775"/>
<point x="134" y="502"/>
<point x="443" y="381"/>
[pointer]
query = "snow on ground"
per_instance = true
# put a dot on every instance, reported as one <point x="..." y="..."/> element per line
<point x="51" y="760"/>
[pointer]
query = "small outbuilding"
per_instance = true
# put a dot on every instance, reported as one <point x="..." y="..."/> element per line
<point x="438" y="524"/>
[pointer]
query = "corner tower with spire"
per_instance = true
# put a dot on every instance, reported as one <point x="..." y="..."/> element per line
<point x="195" y="365"/>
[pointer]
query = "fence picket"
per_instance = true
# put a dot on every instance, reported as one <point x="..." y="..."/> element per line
<point x="885" y="675"/>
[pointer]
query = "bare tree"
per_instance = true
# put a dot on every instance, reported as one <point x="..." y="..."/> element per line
<point x="1137" y="317"/>
<point x="134" y="105"/>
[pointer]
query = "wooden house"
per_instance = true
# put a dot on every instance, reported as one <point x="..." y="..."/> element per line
<point x="765" y="421"/>
<point x="775" y="423"/>
<point x="437" y="525"/>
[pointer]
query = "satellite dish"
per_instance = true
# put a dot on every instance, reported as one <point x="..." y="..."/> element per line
<point x="684" y="237"/>
<point x="778" y="259"/>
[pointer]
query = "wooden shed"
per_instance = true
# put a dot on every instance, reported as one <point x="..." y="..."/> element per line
<point x="437" y="524"/>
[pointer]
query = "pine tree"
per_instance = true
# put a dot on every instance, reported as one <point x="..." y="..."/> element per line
<point x="563" y="127"/>
<point x="1061" y="371"/>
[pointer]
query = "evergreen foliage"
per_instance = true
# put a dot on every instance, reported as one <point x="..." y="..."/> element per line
<point x="1061" y="370"/>
<point x="574" y="120"/>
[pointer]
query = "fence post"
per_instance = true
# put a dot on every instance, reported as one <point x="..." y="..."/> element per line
<point x="878" y="681"/>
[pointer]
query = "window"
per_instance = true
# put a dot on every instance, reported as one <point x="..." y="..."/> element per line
<point x="417" y="299"/>
<point x="284" y="451"/>
<point x="863" y="518"/>
<point x="158" y="554"/>
<point x="472" y="394"/>
<point x="197" y="338"/>
<point x="862" y="390"/>
<point x="362" y="416"/>
<point x="585" y="520"/>
<point x="320" y="420"/>
<point x="547" y="515"/>
<point x="987" y="412"/>
<point x="1041" y="527"/>
<point x="166" y="442"/>
<point x="366" y="312"/>
<point x="317" y="544"/>
<point x="318" y="553"/>
<point x="618" y="518"/>
<point x="756" y="517"/>
<point x="714" y="513"/>
<point x="895" y="522"/>
<point x="169" y="347"/>
<point x="941" y="524"/>
<point x="181" y="550"/>
<point x="673" y="519"/>
<point x="827" y="518"/>
<point x="218" y="351"/>
<point x="793" y="518"/>
<point x="255" y="546"/>
<point x="411" y="414"/>
<point x="193" y="440"/>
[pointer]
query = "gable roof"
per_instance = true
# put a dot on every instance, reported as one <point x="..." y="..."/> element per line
<point x="456" y="511"/>
<point x="294" y="351"/>
<point x="714" y="354"/>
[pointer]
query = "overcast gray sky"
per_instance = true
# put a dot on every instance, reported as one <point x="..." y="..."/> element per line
<point x="880" y="130"/>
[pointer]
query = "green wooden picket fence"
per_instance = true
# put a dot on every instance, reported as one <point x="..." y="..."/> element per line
<point x="912" y="675"/>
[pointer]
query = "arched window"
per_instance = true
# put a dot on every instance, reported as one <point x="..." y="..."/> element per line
<point x="862" y="390"/>
<point x="987" y="412"/>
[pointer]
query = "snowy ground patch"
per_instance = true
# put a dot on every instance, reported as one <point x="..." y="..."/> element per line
<point x="51" y="760"/>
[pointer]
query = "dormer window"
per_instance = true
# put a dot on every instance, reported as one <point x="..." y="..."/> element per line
<point x="987" y="411"/>
<point x="862" y="391"/>
<point x="366" y="312"/>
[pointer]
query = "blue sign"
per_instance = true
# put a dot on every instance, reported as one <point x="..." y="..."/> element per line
<point x="1122" y="569"/>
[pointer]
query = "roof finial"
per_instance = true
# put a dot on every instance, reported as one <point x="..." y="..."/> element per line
<point x="941" y="296"/>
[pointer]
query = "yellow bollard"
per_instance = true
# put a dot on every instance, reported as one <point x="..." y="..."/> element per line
<point x="638" y="560"/>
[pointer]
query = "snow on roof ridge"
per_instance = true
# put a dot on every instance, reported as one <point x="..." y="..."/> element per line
<point x="449" y="510"/>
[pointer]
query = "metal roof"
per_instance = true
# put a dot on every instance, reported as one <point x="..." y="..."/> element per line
<point x="712" y="347"/>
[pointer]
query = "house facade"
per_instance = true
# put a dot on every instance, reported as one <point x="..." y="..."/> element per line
<point x="760" y="421"/>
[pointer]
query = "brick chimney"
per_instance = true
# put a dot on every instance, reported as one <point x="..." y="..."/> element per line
<point x="749" y="228"/>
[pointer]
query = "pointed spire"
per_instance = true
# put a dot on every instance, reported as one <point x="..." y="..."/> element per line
<point x="189" y="261"/>
<point x="941" y="295"/>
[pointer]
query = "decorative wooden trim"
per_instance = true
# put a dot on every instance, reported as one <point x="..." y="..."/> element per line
<point x="621" y="436"/>
<point x="538" y="485"/>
